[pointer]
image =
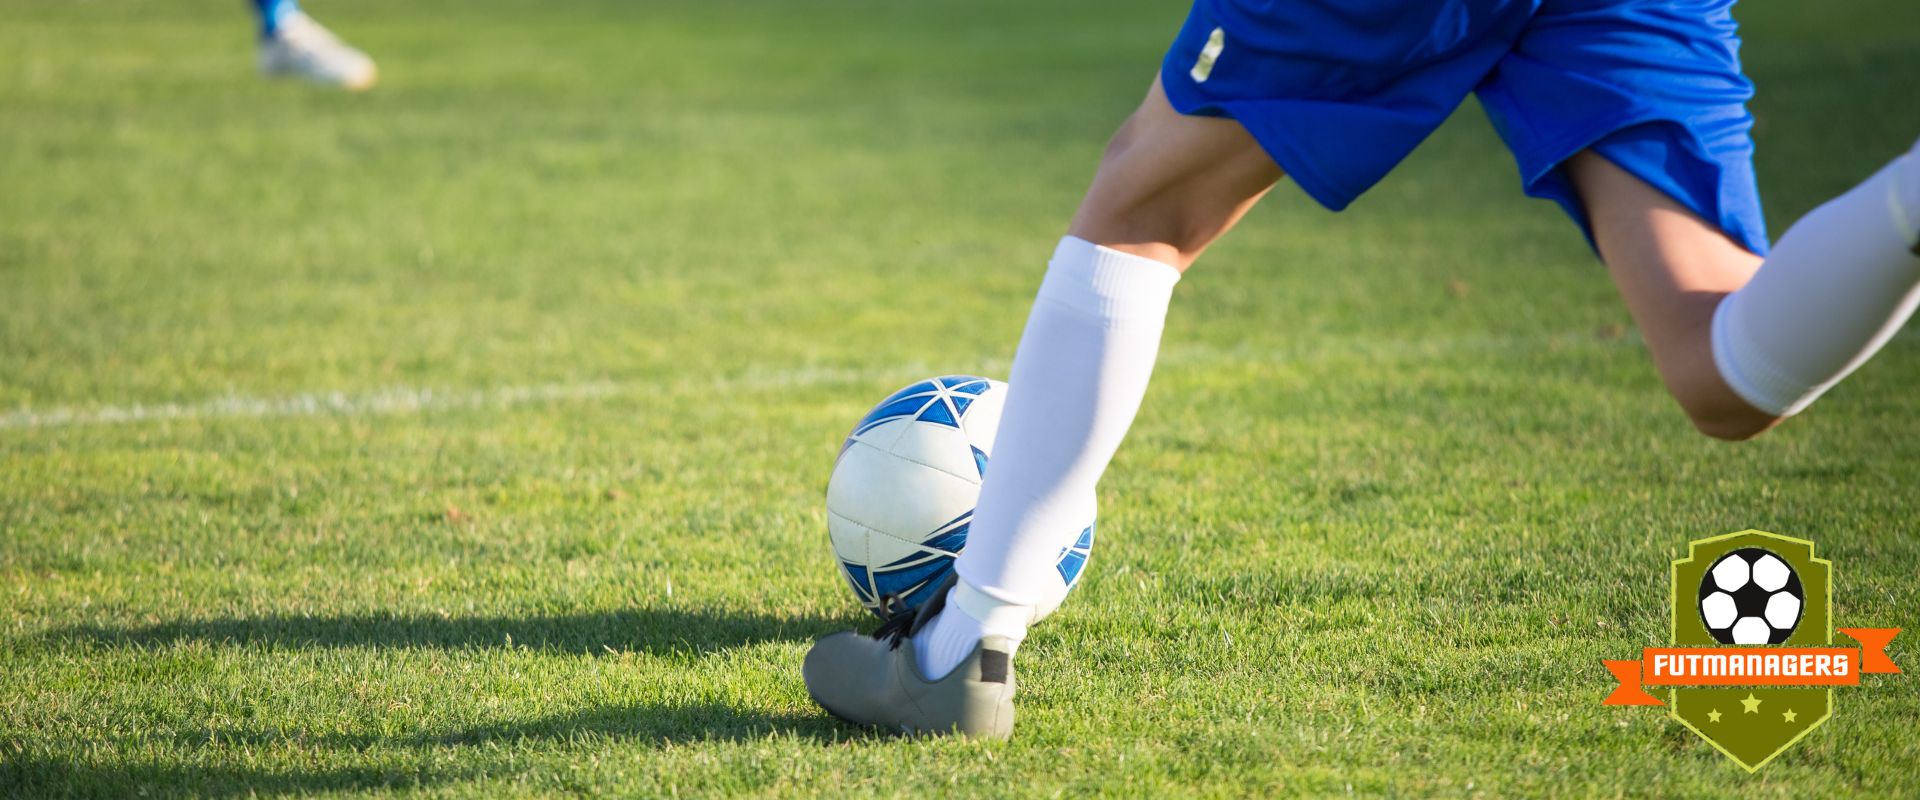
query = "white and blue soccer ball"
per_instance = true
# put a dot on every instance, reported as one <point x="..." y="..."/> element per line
<point x="903" y="491"/>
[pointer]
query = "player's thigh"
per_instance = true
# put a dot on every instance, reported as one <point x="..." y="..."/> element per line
<point x="1169" y="183"/>
<point x="1672" y="269"/>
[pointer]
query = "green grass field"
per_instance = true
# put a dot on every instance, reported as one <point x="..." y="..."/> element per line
<point x="469" y="437"/>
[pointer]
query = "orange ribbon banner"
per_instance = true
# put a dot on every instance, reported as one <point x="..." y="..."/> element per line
<point x="1749" y="666"/>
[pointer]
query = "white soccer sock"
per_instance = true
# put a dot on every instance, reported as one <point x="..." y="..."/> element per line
<point x="1839" y="285"/>
<point x="1078" y="377"/>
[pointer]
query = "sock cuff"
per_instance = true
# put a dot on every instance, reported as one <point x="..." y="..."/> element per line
<point x="994" y="615"/>
<point x="1756" y="381"/>
<point x="1106" y="283"/>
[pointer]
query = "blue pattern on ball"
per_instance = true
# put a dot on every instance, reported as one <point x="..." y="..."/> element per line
<point x="942" y="401"/>
<point x="1074" y="558"/>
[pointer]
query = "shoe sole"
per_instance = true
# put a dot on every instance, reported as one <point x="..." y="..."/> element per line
<point x="856" y="723"/>
<point x="360" y="85"/>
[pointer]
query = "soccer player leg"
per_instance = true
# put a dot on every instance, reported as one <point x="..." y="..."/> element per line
<point x="1646" y="144"/>
<point x="1740" y="348"/>
<point x="1168" y="185"/>
<point x="1672" y="268"/>
<point x="1162" y="193"/>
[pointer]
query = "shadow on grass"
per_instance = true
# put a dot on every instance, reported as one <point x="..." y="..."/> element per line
<point x="39" y="775"/>
<point x="641" y="723"/>
<point x="641" y="630"/>
<point x="199" y="771"/>
<point x="660" y="724"/>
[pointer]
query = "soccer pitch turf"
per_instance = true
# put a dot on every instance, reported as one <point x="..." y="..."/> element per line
<point x="469" y="437"/>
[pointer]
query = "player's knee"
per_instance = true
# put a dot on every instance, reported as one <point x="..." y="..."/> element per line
<point x="1723" y="416"/>
<point x="1684" y="355"/>
<point x="1729" y="429"/>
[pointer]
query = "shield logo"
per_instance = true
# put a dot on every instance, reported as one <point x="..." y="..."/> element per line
<point x="1752" y="665"/>
<point x="1760" y="590"/>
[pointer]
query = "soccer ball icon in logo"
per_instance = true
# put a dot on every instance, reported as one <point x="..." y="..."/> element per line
<point x="1751" y="596"/>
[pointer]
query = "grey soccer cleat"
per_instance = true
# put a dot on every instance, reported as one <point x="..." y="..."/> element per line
<point x="875" y="680"/>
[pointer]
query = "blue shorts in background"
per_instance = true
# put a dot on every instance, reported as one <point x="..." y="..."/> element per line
<point x="1340" y="91"/>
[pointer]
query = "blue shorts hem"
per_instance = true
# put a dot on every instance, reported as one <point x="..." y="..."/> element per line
<point x="1543" y="178"/>
<point x="1187" y="100"/>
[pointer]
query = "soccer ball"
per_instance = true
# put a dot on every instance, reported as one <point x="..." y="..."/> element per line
<point x="1751" y="596"/>
<point x="903" y="490"/>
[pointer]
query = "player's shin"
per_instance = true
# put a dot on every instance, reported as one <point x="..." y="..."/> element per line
<point x="1078" y="378"/>
<point x="1840" y="283"/>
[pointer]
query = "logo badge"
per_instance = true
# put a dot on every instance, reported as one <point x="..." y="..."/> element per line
<point x="1753" y="663"/>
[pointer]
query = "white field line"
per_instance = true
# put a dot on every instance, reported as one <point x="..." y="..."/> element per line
<point x="411" y="400"/>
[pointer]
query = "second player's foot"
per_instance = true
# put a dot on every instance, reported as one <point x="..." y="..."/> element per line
<point x="302" y="48"/>
<point x="876" y="680"/>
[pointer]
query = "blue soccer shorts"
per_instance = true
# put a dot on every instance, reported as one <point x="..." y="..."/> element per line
<point x="1338" y="92"/>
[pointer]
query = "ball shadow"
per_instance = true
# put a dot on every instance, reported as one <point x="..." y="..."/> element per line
<point x="657" y="631"/>
<point x="37" y="775"/>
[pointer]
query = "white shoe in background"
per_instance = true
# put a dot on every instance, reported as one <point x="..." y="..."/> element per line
<point x="302" y="48"/>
